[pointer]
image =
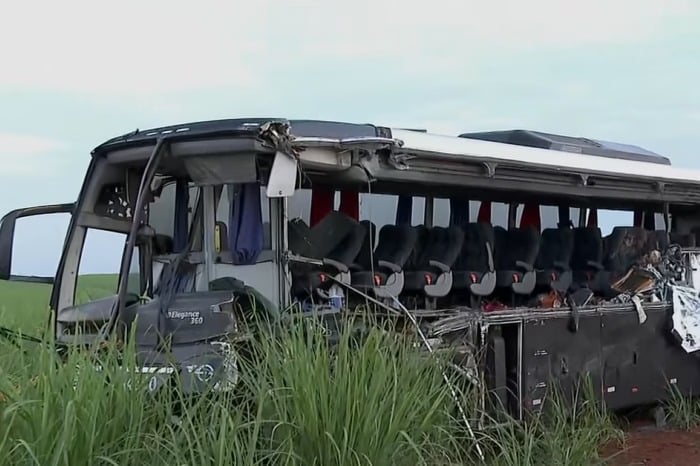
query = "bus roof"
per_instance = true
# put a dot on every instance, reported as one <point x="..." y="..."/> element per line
<point x="530" y="151"/>
<point x="305" y="128"/>
<point x="651" y="166"/>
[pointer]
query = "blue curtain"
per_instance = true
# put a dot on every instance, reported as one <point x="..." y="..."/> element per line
<point x="404" y="210"/>
<point x="180" y="222"/>
<point x="245" y="230"/>
<point x="459" y="212"/>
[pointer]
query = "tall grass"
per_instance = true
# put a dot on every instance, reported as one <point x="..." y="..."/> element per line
<point x="563" y="433"/>
<point x="682" y="412"/>
<point x="369" y="399"/>
<point x="374" y="402"/>
<point x="378" y="401"/>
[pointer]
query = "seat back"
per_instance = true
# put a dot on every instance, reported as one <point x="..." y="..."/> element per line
<point x="516" y="244"/>
<point x="441" y="244"/>
<point x="396" y="244"/>
<point x="364" y="257"/>
<point x="324" y="237"/>
<point x="556" y="245"/>
<point x="422" y="238"/>
<point x="299" y="237"/>
<point x="347" y="250"/>
<point x="474" y="256"/>
<point x="588" y="246"/>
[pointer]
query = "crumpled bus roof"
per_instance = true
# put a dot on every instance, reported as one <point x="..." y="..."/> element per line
<point x="300" y="128"/>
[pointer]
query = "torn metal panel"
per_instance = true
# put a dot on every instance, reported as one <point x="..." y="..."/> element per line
<point x="640" y="309"/>
<point x="636" y="281"/>
<point x="364" y="142"/>
<point x="316" y="153"/>
<point x="686" y="317"/>
<point x="282" y="181"/>
<point x="278" y="135"/>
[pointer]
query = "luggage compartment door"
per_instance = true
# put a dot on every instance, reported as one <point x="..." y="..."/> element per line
<point x="554" y="356"/>
<point x="643" y="361"/>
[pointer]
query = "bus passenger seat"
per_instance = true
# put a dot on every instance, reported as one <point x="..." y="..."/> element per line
<point x="474" y="268"/>
<point x="346" y="237"/>
<point x="516" y="252"/>
<point x="553" y="262"/>
<point x="395" y="245"/>
<point x="363" y="261"/>
<point x="432" y="272"/>
<point x="587" y="259"/>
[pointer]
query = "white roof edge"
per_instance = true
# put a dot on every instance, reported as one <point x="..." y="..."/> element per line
<point x="455" y="145"/>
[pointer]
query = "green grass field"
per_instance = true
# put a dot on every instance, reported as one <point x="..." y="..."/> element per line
<point x="24" y="306"/>
<point x="382" y="403"/>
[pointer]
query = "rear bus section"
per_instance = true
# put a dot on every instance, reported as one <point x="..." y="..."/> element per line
<point x="555" y="279"/>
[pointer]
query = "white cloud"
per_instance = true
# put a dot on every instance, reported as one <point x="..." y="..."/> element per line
<point x="27" y="154"/>
<point x="158" y="46"/>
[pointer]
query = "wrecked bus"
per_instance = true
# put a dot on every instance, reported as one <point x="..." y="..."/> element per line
<point x="488" y="241"/>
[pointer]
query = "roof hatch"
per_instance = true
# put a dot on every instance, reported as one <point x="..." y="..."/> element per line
<point x="575" y="145"/>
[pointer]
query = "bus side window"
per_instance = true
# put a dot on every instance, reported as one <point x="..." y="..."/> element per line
<point x="549" y="216"/>
<point x="609" y="219"/>
<point x="299" y="205"/>
<point x="98" y="272"/>
<point x="659" y="222"/>
<point x="418" y="214"/>
<point x="379" y="209"/>
<point x="441" y="212"/>
<point x="499" y="214"/>
<point x="162" y="212"/>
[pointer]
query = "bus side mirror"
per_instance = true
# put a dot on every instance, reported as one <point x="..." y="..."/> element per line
<point x="8" y="232"/>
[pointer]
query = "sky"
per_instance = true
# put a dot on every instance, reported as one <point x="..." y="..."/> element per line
<point x="75" y="73"/>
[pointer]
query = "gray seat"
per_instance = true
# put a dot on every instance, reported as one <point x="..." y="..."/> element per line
<point x="516" y="252"/>
<point x="475" y="269"/>
<point x="431" y="275"/>
<point x="553" y="262"/>
<point x="336" y="241"/>
<point x="385" y="277"/>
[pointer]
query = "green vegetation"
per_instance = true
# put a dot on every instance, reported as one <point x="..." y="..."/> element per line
<point x="682" y="412"/>
<point x="374" y="401"/>
<point x="23" y="306"/>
